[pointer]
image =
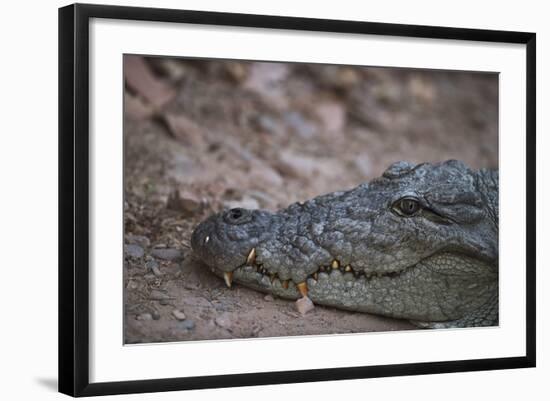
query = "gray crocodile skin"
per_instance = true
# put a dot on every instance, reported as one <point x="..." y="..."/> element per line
<point x="419" y="243"/>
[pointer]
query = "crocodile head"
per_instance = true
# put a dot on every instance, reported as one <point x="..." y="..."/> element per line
<point x="420" y="242"/>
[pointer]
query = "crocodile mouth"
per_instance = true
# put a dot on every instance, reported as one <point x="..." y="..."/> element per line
<point x="256" y="275"/>
<point x="391" y="293"/>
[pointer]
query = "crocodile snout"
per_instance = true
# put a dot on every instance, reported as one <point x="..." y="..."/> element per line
<point x="224" y="241"/>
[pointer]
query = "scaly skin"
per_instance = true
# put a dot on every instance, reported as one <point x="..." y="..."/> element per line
<point x="418" y="243"/>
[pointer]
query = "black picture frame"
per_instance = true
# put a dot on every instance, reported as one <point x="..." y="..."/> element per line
<point x="74" y="198"/>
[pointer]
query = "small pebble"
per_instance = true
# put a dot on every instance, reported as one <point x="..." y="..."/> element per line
<point x="245" y="202"/>
<point x="157" y="295"/>
<point x="138" y="240"/>
<point x="191" y="286"/>
<point x="156" y="315"/>
<point x="133" y="251"/>
<point x="167" y="253"/>
<point x="132" y="285"/>
<point x="153" y="265"/>
<point x="184" y="201"/>
<point x="187" y="324"/>
<point x="144" y="316"/>
<point x="304" y="305"/>
<point x="223" y="321"/>
<point x="178" y="314"/>
<point x="269" y="298"/>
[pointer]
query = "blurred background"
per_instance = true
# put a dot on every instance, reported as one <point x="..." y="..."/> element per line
<point x="203" y="135"/>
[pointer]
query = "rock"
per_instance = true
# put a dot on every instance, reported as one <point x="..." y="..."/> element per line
<point x="346" y="78"/>
<point x="260" y="171"/>
<point x="133" y="251"/>
<point x="191" y="285"/>
<point x="364" y="165"/>
<point x="269" y="298"/>
<point x="262" y="197"/>
<point x="140" y="79"/>
<point x="144" y="316"/>
<point x="156" y="315"/>
<point x="246" y="203"/>
<point x="178" y="314"/>
<point x="422" y="90"/>
<point x="295" y="164"/>
<point x="267" y="124"/>
<point x="170" y="68"/>
<point x="138" y="240"/>
<point x="332" y="116"/>
<point x="304" y="305"/>
<point x="224" y="321"/>
<point x="167" y="254"/>
<point x="183" y="129"/>
<point x="136" y="108"/>
<point x="187" y="324"/>
<point x="266" y="80"/>
<point x="157" y="295"/>
<point x="132" y="285"/>
<point x="301" y="165"/>
<point x="236" y="71"/>
<point x="153" y="265"/>
<point x="299" y="125"/>
<point x="184" y="201"/>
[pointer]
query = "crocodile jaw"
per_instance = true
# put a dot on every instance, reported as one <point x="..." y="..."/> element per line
<point x="445" y="283"/>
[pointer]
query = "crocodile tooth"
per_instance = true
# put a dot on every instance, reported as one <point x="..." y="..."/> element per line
<point x="228" y="278"/>
<point x="315" y="276"/>
<point x="348" y="268"/>
<point x="302" y="287"/>
<point x="284" y="284"/>
<point x="206" y="239"/>
<point x="251" y="258"/>
<point x="335" y="264"/>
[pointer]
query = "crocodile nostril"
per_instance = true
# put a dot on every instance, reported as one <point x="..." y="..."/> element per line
<point x="237" y="216"/>
<point x="236" y="213"/>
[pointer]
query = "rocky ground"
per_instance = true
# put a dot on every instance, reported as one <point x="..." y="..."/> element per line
<point x="200" y="136"/>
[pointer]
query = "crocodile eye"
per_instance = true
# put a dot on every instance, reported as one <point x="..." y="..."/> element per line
<point x="237" y="216"/>
<point x="407" y="206"/>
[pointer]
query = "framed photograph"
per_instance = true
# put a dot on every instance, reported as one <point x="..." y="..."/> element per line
<point x="278" y="199"/>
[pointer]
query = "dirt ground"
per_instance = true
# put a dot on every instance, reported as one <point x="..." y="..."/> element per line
<point x="203" y="135"/>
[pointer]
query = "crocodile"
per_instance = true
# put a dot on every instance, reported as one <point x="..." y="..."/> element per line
<point x="418" y="243"/>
